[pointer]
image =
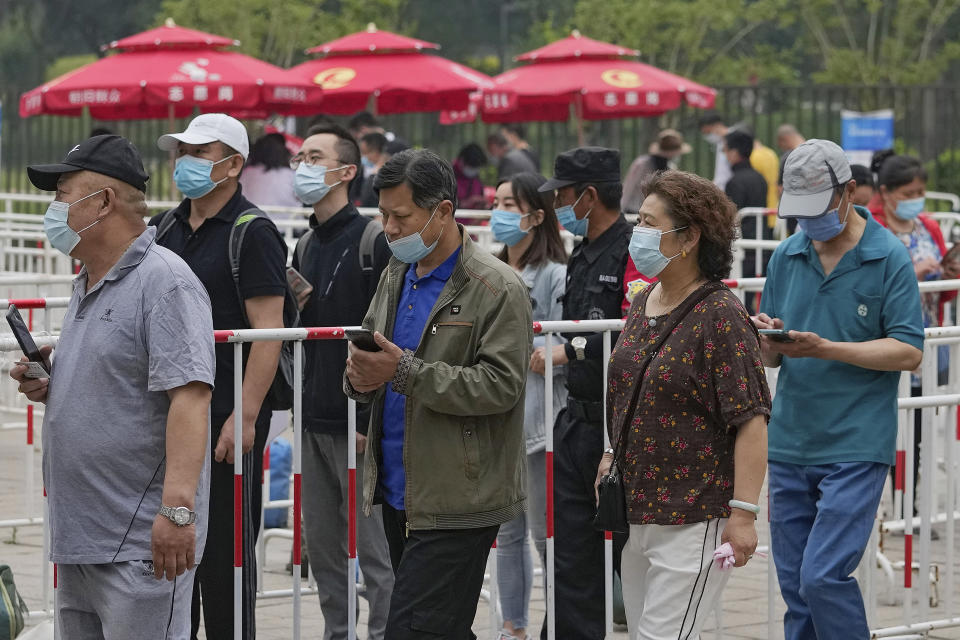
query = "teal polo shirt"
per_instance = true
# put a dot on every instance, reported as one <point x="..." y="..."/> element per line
<point x="826" y="411"/>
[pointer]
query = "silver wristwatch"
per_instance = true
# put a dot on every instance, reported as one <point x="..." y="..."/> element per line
<point x="180" y="516"/>
<point x="579" y="344"/>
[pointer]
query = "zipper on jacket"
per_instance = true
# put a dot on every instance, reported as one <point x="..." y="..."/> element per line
<point x="407" y="525"/>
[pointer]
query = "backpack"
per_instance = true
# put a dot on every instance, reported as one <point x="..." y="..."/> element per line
<point x="280" y="395"/>
<point x="365" y="254"/>
<point x="12" y="606"/>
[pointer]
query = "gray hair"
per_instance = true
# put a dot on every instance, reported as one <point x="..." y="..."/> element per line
<point x="429" y="177"/>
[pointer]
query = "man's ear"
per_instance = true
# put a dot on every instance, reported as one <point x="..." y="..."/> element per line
<point x="109" y="203"/>
<point x="349" y="173"/>
<point x="236" y="166"/>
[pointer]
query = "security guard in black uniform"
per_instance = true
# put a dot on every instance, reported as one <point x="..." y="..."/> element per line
<point x="587" y="200"/>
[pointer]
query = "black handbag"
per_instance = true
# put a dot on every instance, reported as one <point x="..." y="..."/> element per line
<point x="611" y="495"/>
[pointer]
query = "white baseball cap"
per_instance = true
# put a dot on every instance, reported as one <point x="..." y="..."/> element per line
<point x="810" y="175"/>
<point x="210" y="127"/>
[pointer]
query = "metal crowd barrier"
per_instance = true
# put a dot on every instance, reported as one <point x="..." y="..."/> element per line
<point x="929" y="509"/>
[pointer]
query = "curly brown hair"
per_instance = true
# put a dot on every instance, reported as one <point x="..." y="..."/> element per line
<point x="696" y="202"/>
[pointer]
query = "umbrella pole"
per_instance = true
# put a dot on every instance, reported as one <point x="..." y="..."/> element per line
<point x="172" y="160"/>
<point x="578" y="114"/>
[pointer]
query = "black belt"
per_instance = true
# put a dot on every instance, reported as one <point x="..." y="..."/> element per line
<point x="585" y="410"/>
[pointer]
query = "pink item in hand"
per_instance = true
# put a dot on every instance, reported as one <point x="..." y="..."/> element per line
<point x="724" y="556"/>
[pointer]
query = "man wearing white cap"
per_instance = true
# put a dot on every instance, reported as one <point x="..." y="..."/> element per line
<point x="211" y="153"/>
<point x="844" y="296"/>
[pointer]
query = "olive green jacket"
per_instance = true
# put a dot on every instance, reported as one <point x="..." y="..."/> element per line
<point x="463" y="453"/>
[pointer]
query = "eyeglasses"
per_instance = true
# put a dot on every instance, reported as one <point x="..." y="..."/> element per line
<point x="311" y="160"/>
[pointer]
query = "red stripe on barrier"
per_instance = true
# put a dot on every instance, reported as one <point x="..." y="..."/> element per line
<point x="730" y="282"/>
<point x="265" y="473"/>
<point x="352" y="513"/>
<point x="54" y="575"/>
<point x="324" y="333"/>
<point x="30" y="319"/>
<point x="222" y="335"/>
<point x="549" y="494"/>
<point x="29" y="424"/>
<point x="237" y="520"/>
<point x="494" y="545"/>
<point x="29" y="303"/>
<point x="296" y="519"/>
<point x="608" y="535"/>
<point x="907" y="560"/>
<point x="537" y="327"/>
<point x="899" y="470"/>
<point x="44" y="492"/>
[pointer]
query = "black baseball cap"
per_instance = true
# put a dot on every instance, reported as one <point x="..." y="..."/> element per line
<point x="110" y="155"/>
<point x="584" y="164"/>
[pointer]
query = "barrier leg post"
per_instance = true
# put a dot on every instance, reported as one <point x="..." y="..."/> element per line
<point x="607" y="535"/>
<point x="908" y="523"/>
<point x="927" y="500"/>
<point x="549" y="596"/>
<point x="265" y="498"/>
<point x="351" y="520"/>
<point x="238" y="491"/>
<point x="297" y="469"/>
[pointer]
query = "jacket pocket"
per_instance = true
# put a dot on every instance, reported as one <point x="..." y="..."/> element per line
<point x="471" y="448"/>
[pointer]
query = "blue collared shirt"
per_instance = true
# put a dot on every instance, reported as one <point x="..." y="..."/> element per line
<point x="416" y="302"/>
<point x="827" y="411"/>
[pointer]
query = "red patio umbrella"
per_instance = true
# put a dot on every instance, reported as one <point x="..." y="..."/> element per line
<point x="391" y="68"/>
<point x="166" y="73"/>
<point x="593" y="77"/>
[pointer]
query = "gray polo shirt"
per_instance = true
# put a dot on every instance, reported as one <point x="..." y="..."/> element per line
<point x="144" y="329"/>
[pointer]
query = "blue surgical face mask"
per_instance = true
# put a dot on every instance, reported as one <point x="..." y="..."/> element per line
<point x="645" y="251"/>
<point x="826" y="227"/>
<point x="367" y="163"/>
<point x="61" y="236"/>
<point x="713" y="138"/>
<point x="506" y="226"/>
<point x="568" y="218"/>
<point x="909" y="209"/>
<point x="309" y="182"/>
<point x="192" y="176"/>
<point x="411" y="248"/>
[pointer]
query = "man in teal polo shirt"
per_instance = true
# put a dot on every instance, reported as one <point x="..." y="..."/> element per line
<point x="846" y="291"/>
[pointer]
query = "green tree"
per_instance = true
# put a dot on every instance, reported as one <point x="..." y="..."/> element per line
<point x="279" y="32"/>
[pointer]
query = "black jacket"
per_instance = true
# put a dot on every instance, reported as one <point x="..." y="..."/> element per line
<point x="747" y="188"/>
<point x="336" y="301"/>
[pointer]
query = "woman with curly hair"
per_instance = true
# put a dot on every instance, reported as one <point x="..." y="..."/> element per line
<point x="687" y="403"/>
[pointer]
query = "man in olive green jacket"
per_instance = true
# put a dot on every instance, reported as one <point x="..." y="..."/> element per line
<point x="446" y="445"/>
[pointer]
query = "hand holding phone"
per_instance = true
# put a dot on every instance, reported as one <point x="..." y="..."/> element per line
<point x="777" y="335"/>
<point x="37" y="366"/>
<point x="362" y="339"/>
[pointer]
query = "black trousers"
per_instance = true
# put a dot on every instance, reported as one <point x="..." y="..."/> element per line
<point x="439" y="574"/>
<point x="578" y="547"/>
<point x="213" y="585"/>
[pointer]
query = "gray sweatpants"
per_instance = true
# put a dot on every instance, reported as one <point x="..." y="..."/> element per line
<point x="121" y="601"/>
<point x="324" y="503"/>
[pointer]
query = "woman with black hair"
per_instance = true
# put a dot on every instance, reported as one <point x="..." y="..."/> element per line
<point x="267" y="178"/>
<point x="523" y="219"/>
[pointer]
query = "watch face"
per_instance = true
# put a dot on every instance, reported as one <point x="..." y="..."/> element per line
<point x="181" y="515"/>
<point x="579" y="342"/>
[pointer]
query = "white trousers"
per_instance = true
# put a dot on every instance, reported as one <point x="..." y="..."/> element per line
<point x="670" y="582"/>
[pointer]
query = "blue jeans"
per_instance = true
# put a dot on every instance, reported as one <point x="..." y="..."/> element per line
<point x="821" y="517"/>
<point x="514" y="562"/>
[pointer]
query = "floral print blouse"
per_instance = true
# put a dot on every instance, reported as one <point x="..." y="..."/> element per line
<point x="707" y="379"/>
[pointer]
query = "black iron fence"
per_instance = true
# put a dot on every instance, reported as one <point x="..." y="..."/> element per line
<point x="926" y="125"/>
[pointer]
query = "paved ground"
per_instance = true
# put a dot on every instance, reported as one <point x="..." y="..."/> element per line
<point x="744" y="612"/>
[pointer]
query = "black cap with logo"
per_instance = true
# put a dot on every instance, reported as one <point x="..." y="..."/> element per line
<point x="584" y="164"/>
<point x="110" y="155"/>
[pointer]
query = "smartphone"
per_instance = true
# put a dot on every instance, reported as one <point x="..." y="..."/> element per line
<point x="363" y="339"/>
<point x="297" y="282"/>
<point x="38" y="367"/>
<point x="777" y="335"/>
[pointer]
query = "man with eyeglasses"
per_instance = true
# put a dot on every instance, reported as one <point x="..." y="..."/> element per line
<point x="211" y="153"/>
<point x="341" y="256"/>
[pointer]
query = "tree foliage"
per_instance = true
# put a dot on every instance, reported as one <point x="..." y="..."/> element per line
<point x="279" y="32"/>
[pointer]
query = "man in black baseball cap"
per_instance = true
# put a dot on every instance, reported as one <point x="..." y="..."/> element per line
<point x="587" y="190"/>
<point x="109" y="155"/>
<point x="127" y="405"/>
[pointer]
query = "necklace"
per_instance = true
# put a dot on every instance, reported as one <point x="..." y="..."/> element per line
<point x="683" y="293"/>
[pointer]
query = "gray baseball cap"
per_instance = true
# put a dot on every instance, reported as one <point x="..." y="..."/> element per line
<point x="810" y="175"/>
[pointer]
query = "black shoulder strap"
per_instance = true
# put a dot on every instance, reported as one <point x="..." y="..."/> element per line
<point x="677" y="315"/>
<point x="302" y="246"/>
<point x="367" y="242"/>
<point x="167" y="218"/>
<point x="237" y="233"/>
